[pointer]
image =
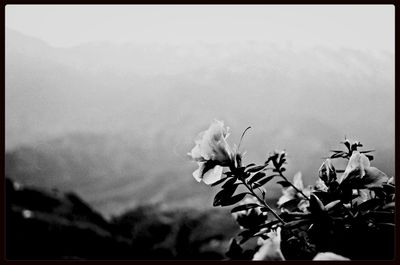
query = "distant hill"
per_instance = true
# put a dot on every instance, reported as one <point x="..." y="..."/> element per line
<point x="52" y="225"/>
<point x="114" y="122"/>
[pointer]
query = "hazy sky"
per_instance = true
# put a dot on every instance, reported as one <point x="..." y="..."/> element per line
<point x="353" y="26"/>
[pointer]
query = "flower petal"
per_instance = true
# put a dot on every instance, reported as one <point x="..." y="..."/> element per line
<point x="298" y="181"/>
<point x="355" y="167"/>
<point x="374" y="177"/>
<point x="351" y="178"/>
<point x="211" y="145"/>
<point x="364" y="161"/>
<point x="195" y="154"/>
<point x="320" y="185"/>
<point x="303" y="205"/>
<point x="271" y="248"/>
<point x="391" y="180"/>
<point x="329" y="256"/>
<point x="198" y="172"/>
<point x="212" y="175"/>
<point x="288" y="194"/>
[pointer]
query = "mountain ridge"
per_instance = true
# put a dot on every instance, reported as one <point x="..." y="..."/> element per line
<point x="135" y="111"/>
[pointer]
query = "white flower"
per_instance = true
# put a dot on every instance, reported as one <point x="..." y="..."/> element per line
<point x="359" y="174"/>
<point x="270" y="248"/>
<point x="212" y="144"/>
<point x="290" y="193"/>
<point x="320" y="185"/>
<point x="208" y="176"/>
<point x="329" y="256"/>
<point x="212" y="152"/>
<point x="391" y="181"/>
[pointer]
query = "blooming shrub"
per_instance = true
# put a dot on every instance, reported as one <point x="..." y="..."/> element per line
<point x="346" y="214"/>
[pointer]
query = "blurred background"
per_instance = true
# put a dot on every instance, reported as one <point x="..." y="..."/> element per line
<point x="104" y="102"/>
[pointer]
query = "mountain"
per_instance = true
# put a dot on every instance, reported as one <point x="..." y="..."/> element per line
<point x="52" y="225"/>
<point x="114" y="122"/>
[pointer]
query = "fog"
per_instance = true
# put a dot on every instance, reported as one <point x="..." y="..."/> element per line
<point x="108" y="103"/>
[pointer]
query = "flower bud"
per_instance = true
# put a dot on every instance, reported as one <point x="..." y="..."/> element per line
<point x="327" y="172"/>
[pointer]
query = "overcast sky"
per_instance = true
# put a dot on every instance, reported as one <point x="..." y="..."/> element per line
<point x="352" y="26"/>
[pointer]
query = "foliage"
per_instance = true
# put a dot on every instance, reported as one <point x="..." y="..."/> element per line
<point x="346" y="214"/>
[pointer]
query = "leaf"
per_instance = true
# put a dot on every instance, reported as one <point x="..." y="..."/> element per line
<point x="296" y="223"/>
<point x="256" y="168"/>
<point x="270" y="224"/>
<point x="238" y="171"/>
<point x="224" y="194"/>
<point x="235" y="199"/>
<point x="390" y="225"/>
<point x="389" y="206"/>
<point x="337" y="155"/>
<point x="374" y="177"/>
<point x="208" y="165"/>
<point x="250" y="165"/>
<point x="370" y="157"/>
<point x="347" y="144"/>
<point x="265" y="209"/>
<point x="263" y="181"/>
<point x="244" y="207"/>
<point x="263" y="191"/>
<point x="371" y="204"/>
<point x="368" y="151"/>
<point x="290" y="204"/>
<point x="337" y="151"/>
<point x="316" y="206"/>
<point x="332" y="205"/>
<point x="284" y="183"/>
<point x="235" y="250"/>
<point x="246" y="235"/>
<point x="229" y="183"/>
<point x="383" y="216"/>
<point x="256" y="177"/>
<point x="388" y="188"/>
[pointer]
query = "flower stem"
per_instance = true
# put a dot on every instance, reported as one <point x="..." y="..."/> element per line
<point x="293" y="186"/>
<point x="262" y="201"/>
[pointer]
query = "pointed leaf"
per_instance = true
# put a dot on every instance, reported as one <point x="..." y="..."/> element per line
<point x="368" y="151"/>
<point x="246" y="235"/>
<point x="250" y="165"/>
<point x="235" y="199"/>
<point x="235" y="250"/>
<point x="223" y="195"/>
<point x="316" y="206"/>
<point x="263" y="181"/>
<point x="389" y="206"/>
<point x="256" y="168"/>
<point x="256" y="177"/>
<point x="296" y="223"/>
<point x="331" y="205"/>
<point x="374" y="177"/>
<point x="228" y="183"/>
<point x="284" y="183"/>
<point x="244" y="207"/>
